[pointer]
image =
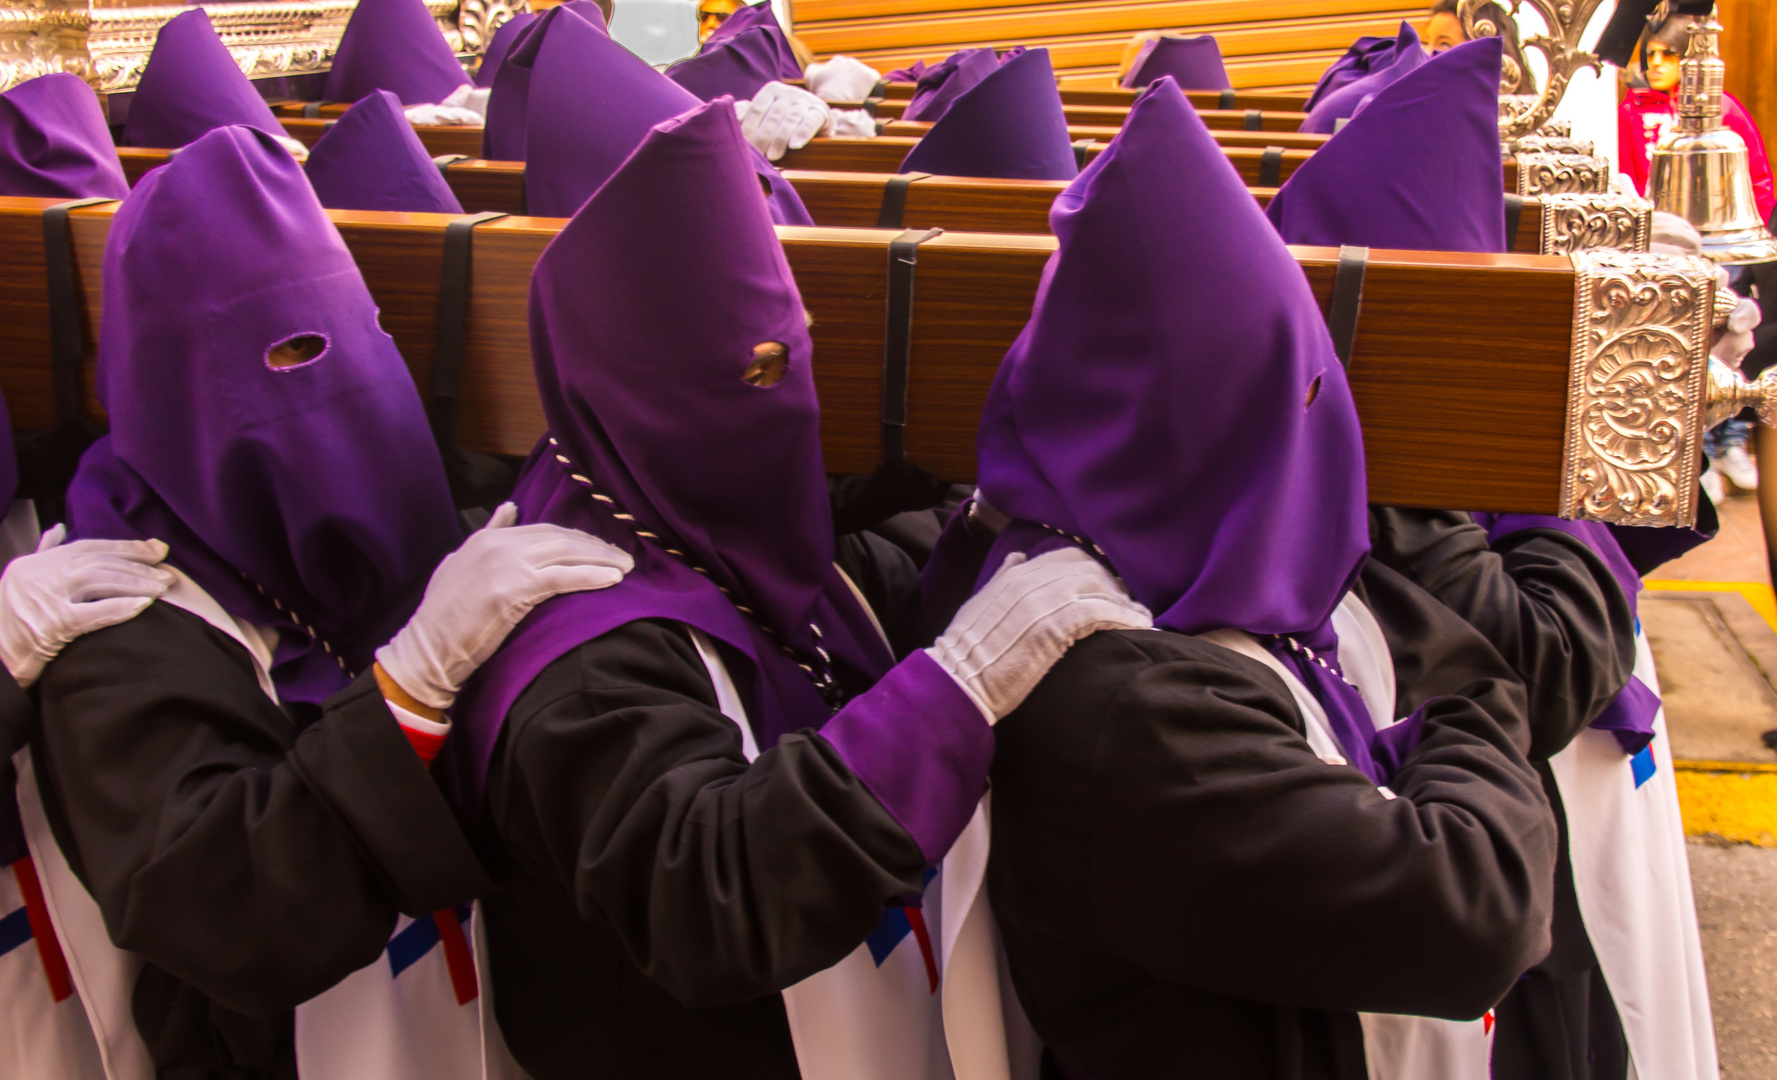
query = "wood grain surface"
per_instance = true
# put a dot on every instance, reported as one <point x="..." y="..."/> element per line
<point x="1459" y="366"/>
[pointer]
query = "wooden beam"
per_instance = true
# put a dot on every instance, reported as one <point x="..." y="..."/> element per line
<point x="1461" y="406"/>
<point x="846" y="199"/>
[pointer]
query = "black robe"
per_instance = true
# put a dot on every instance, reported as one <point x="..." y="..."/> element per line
<point x="657" y="891"/>
<point x="1185" y="890"/>
<point x="1557" y="614"/>
<point x="253" y="861"/>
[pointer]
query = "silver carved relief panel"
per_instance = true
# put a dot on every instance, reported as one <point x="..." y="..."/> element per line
<point x="1547" y="173"/>
<point x="1609" y="219"/>
<point x="108" y="45"/>
<point x="1637" y="386"/>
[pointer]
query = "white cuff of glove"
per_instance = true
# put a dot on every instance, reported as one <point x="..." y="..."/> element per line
<point x="843" y="78"/>
<point x="850" y="124"/>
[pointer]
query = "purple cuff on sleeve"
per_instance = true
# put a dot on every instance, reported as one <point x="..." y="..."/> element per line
<point x="922" y="747"/>
<point x="1395" y="743"/>
<point x="1593" y="534"/>
<point x="1630" y="717"/>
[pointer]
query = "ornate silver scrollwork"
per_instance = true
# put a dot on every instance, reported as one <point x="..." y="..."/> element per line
<point x="1566" y="21"/>
<point x="1547" y="174"/>
<point x="1545" y="143"/>
<point x="109" y="45"/>
<point x="1605" y="219"/>
<point x="1637" y="387"/>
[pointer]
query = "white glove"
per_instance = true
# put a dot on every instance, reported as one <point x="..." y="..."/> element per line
<point x="443" y="116"/>
<point x="482" y="590"/>
<point x="781" y="118"/>
<point x="1736" y="340"/>
<point x="1008" y="636"/>
<point x="470" y="97"/>
<point x="63" y="591"/>
<point x="843" y="78"/>
<point x="851" y="124"/>
<point x="295" y="146"/>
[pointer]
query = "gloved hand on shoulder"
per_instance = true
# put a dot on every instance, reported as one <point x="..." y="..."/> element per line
<point x="1008" y="635"/>
<point x="482" y="590"/>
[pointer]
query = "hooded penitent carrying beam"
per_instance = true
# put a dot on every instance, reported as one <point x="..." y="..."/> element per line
<point x="1009" y="125"/>
<point x="1624" y="930"/>
<point x="735" y="669"/>
<point x="190" y="86"/>
<point x="394" y="45"/>
<point x="1188" y="422"/>
<point x="501" y="44"/>
<point x="747" y="51"/>
<point x="502" y="139"/>
<point x="1195" y="63"/>
<point x="948" y="80"/>
<point x="372" y="160"/>
<point x="1493" y="432"/>
<point x="1341" y="100"/>
<point x="54" y="142"/>
<point x="758" y="16"/>
<point x="303" y="541"/>
<point x="593" y="102"/>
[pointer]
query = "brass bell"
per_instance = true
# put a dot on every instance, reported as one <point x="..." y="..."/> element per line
<point x="1699" y="168"/>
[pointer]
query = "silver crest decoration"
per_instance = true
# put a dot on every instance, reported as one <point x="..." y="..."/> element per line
<point x="108" y="45"/>
<point x="1566" y="21"/>
<point x="1636" y="387"/>
<point x="1607" y="219"/>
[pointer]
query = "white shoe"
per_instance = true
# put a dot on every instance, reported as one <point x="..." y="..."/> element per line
<point x="1738" y="468"/>
<point x="1712" y="486"/>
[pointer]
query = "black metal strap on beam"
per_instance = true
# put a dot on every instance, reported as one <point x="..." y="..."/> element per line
<point x="897" y="339"/>
<point x="870" y="104"/>
<point x="67" y="337"/>
<point x="1514" y="215"/>
<point x="1348" y="298"/>
<point x="881" y="125"/>
<point x="453" y="326"/>
<point x="1255" y="120"/>
<point x="894" y="199"/>
<point x="1082" y="150"/>
<point x="880" y="90"/>
<point x="1271" y="167"/>
<point x="1227" y="98"/>
<point x="311" y="110"/>
<point x="445" y="161"/>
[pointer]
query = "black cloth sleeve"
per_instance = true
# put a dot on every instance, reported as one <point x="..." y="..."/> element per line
<point x="618" y="777"/>
<point x="256" y="862"/>
<point x="18" y="716"/>
<point x="1541" y="597"/>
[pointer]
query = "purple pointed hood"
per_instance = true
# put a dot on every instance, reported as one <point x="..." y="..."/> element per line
<point x="1195" y="63"/>
<point x="603" y="100"/>
<point x="54" y="143"/>
<point x="500" y="44"/>
<point x="736" y="66"/>
<point x="502" y="137"/>
<point x="1417" y="168"/>
<point x="1011" y="126"/>
<point x="298" y="496"/>
<point x="647" y="404"/>
<point x="371" y="159"/>
<point x="758" y="17"/>
<point x="910" y="74"/>
<point x="394" y="45"/>
<point x="948" y="80"/>
<point x="190" y="86"/>
<point x="1157" y="405"/>
<point x="1359" y="60"/>
<point x="1407" y="55"/>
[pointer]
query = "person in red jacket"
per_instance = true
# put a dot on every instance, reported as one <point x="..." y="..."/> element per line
<point x="1646" y="113"/>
